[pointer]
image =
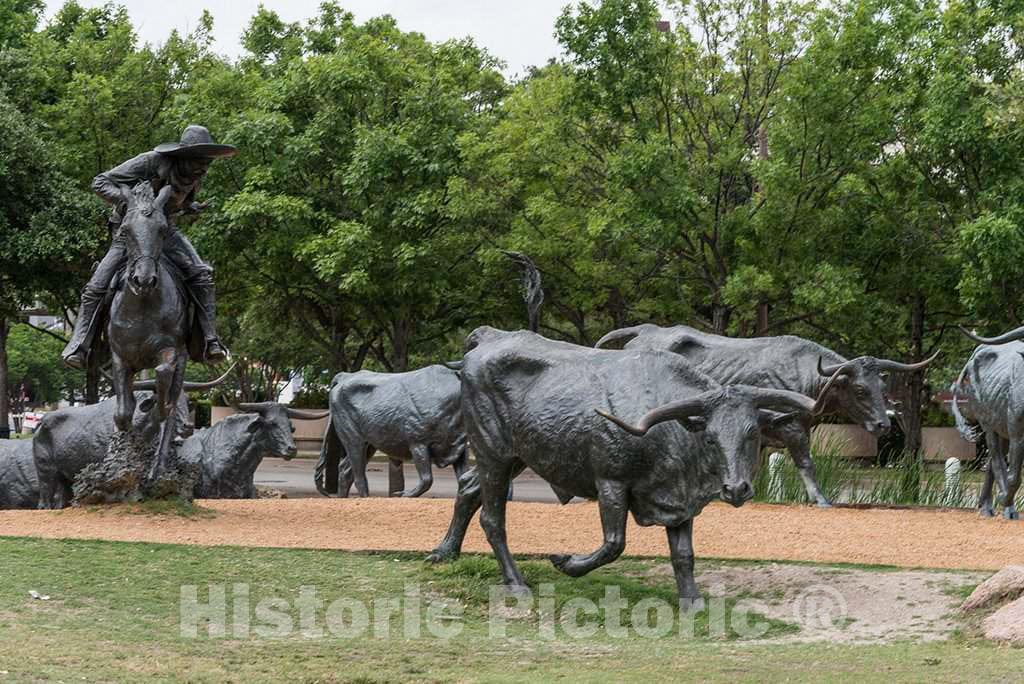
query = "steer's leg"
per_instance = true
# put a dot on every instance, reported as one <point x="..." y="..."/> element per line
<point x="1014" y="460"/>
<point x="795" y="434"/>
<point x="494" y="480"/>
<point x="421" y="457"/>
<point x="613" y="500"/>
<point x="396" y="476"/>
<point x="357" y="453"/>
<point x="680" y="544"/>
<point x="467" y="503"/>
<point x="996" y="451"/>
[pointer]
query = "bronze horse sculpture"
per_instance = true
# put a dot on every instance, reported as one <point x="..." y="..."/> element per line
<point x="149" y="322"/>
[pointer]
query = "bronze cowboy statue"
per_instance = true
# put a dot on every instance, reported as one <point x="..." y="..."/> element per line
<point x="179" y="167"/>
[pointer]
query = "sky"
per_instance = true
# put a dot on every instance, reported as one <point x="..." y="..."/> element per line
<point x="519" y="32"/>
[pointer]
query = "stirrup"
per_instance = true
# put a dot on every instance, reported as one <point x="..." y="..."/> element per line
<point x="78" y="360"/>
<point x="216" y="356"/>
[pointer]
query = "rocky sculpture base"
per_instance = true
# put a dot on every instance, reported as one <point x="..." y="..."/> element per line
<point x="123" y="475"/>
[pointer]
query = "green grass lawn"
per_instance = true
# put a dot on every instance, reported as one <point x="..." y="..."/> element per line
<point x="115" y="615"/>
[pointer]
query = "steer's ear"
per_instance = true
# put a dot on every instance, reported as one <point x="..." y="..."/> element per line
<point x="694" y="423"/>
<point x="147" y="404"/>
<point x="254" y="426"/>
<point x="770" y="420"/>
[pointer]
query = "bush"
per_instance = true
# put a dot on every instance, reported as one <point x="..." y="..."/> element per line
<point x="311" y="397"/>
<point x="904" y="481"/>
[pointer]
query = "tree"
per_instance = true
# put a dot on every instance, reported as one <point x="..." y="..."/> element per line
<point x="335" y="215"/>
<point x="36" y="375"/>
<point x="45" y="226"/>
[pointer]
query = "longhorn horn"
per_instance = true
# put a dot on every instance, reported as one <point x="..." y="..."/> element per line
<point x="150" y="385"/>
<point x="1011" y="336"/>
<point x="453" y="365"/>
<point x="673" y="411"/>
<point x="886" y="364"/>
<point x="829" y="371"/>
<point x="249" y="407"/>
<point x="785" y="401"/>
<point x="296" y="414"/>
<point x="819" y="404"/>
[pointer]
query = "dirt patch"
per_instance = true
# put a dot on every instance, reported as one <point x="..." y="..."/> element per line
<point x="913" y="539"/>
<point x="847" y="605"/>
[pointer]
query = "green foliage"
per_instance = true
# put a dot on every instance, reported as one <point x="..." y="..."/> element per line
<point x="35" y="375"/>
<point x="849" y="172"/>
<point x="904" y="481"/>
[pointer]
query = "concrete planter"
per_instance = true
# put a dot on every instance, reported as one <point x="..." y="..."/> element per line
<point x="308" y="435"/>
<point x="852" y="441"/>
<point x="939" y="443"/>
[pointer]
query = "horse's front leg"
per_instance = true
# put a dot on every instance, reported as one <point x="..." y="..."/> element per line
<point x="165" y="380"/>
<point x="122" y="381"/>
<point x="169" y="399"/>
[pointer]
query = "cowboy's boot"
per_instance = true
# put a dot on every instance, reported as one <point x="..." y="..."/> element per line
<point x="215" y="352"/>
<point x="76" y="353"/>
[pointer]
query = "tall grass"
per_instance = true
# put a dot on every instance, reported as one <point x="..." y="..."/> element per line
<point x="903" y="482"/>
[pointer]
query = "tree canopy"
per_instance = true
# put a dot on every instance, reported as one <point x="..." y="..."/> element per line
<point x="849" y="172"/>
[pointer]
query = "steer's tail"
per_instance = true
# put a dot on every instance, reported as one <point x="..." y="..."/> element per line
<point x="329" y="466"/>
<point x="617" y="339"/>
<point x="969" y="431"/>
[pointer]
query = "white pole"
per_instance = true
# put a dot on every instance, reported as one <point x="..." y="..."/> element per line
<point x="775" y="486"/>
<point x="951" y="490"/>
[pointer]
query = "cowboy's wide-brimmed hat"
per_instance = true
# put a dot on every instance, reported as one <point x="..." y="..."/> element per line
<point x="196" y="141"/>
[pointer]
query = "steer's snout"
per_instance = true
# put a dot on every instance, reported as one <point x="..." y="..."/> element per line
<point x="877" y="427"/>
<point x="291" y="453"/>
<point x="737" y="493"/>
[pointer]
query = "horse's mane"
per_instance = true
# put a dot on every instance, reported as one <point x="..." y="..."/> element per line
<point x="143" y="193"/>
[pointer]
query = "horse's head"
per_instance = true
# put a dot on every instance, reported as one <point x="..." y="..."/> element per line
<point x="144" y="228"/>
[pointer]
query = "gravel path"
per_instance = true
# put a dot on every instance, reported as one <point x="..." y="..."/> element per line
<point x="905" y="538"/>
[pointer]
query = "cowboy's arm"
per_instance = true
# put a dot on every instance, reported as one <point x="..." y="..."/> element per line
<point x="115" y="184"/>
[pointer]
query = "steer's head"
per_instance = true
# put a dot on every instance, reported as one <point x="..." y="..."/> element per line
<point x="856" y="388"/>
<point x="273" y="425"/>
<point x="732" y="418"/>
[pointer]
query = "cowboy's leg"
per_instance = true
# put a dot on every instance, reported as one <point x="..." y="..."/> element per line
<point x="199" y="278"/>
<point x="76" y="352"/>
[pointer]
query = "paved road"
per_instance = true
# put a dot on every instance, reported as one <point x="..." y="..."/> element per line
<point x="295" y="478"/>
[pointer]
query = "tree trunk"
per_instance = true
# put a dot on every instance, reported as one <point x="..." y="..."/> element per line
<point x="762" y="319"/>
<point x="915" y="381"/>
<point x="720" y="315"/>
<point x="401" y="333"/>
<point x="5" y="400"/>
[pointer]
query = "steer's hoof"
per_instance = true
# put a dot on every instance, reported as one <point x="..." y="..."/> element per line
<point x="1010" y="513"/>
<point x="987" y="512"/>
<point x="824" y="504"/>
<point x="560" y="561"/>
<point x="691" y="604"/>
<point x="518" y="590"/>
<point x="442" y="555"/>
